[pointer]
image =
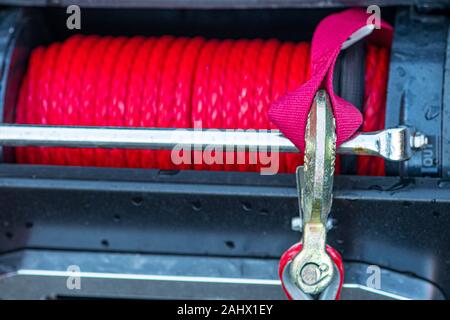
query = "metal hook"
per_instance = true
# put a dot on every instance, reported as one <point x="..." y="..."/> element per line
<point x="312" y="270"/>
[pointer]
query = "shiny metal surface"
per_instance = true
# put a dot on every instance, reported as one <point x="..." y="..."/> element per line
<point x="44" y="274"/>
<point x="320" y="154"/>
<point x="327" y="294"/>
<point x="392" y="144"/>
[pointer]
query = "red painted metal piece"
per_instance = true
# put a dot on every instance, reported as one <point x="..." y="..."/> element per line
<point x="290" y="254"/>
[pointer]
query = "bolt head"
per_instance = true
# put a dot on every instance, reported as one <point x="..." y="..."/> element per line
<point x="419" y="140"/>
<point x="310" y="274"/>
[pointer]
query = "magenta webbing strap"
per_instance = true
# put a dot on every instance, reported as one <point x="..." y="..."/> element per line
<point x="290" y="112"/>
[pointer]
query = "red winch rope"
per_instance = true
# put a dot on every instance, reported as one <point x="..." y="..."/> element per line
<point x="173" y="83"/>
<point x="374" y="105"/>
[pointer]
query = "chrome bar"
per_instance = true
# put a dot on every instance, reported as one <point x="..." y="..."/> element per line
<point x="392" y="144"/>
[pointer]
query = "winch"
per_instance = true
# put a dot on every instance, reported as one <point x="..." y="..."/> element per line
<point x="174" y="147"/>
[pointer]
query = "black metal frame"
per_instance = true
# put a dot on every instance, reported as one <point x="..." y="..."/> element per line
<point x="228" y="4"/>
<point x="399" y="224"/>
<point x="416" y="88"/>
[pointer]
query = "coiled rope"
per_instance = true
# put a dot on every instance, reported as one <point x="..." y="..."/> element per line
<point x="172" y="83"/>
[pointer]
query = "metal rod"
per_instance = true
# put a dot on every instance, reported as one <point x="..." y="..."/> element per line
<point x="392" y="144"/>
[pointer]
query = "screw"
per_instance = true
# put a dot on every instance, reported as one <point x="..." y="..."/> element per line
<point x="310" y="274"/>
<point x="418" y="140"/>
<point x="296" y="224"/>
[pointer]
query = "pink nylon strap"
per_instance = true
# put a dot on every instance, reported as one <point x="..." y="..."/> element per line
<point x="290" y="112"/>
